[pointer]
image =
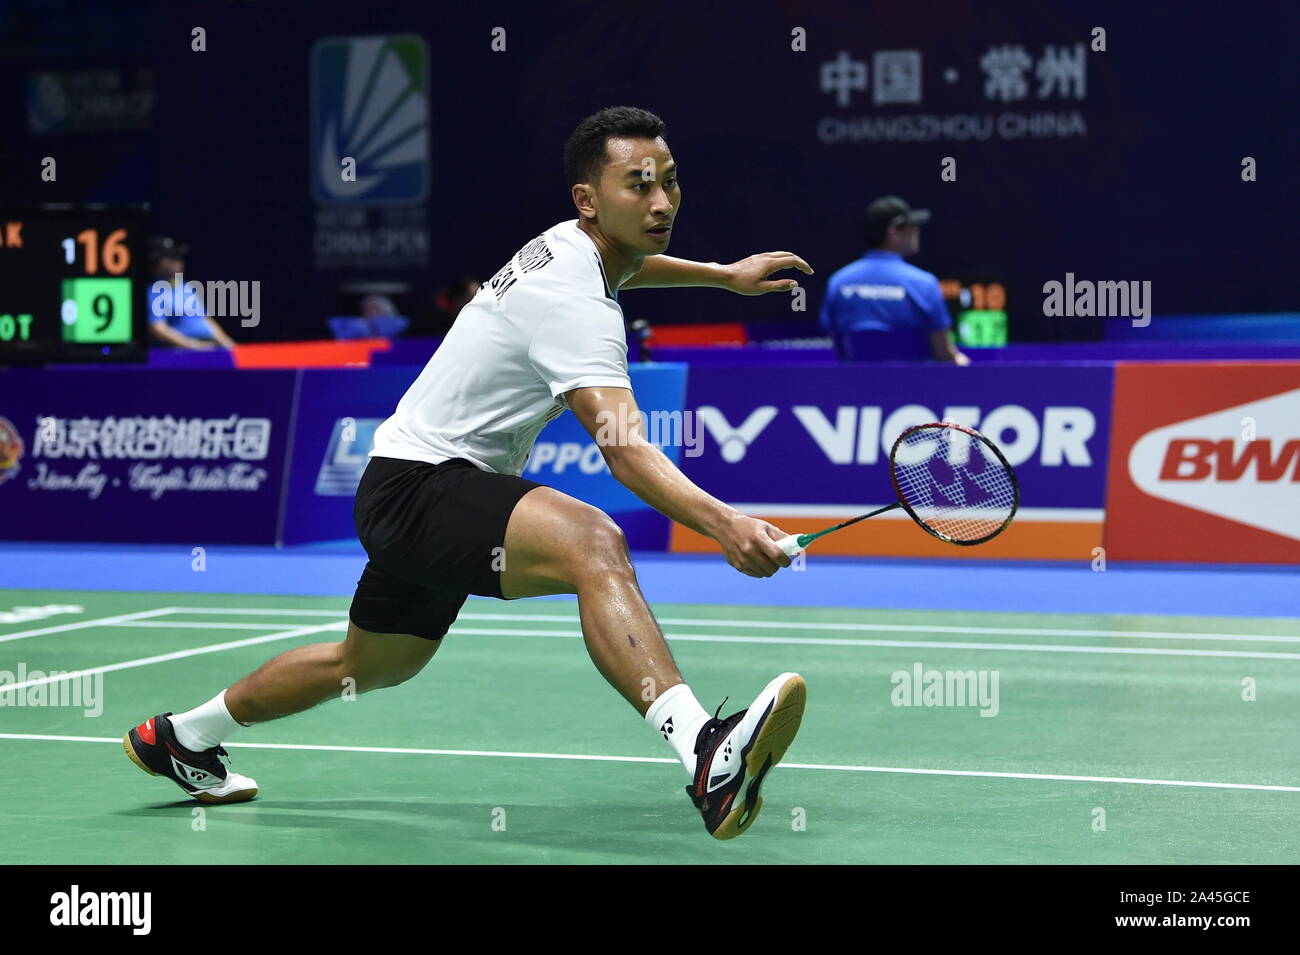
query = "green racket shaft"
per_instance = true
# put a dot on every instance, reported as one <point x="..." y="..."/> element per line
<point x="796" y="542"/>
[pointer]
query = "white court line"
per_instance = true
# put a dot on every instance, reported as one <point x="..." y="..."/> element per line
<point x="923" y="644"/>
<point x="805" y="625"/>
<point x="683" y="637"/>
<point x="407" y="751"/>
<point x="178" y="655"/>
<point x="915" y="628"/>
<point x="82" y="624"/>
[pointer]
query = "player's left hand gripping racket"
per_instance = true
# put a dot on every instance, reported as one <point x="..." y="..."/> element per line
<point x="950" y="479"/>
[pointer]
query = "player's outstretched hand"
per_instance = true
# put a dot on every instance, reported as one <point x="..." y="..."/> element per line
<point x="750" y="276"/>
<point x="749" y="545"/>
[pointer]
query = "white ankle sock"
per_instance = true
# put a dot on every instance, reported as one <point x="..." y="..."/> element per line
<point x="678" y="716"/>
<point x="205" y="726"/>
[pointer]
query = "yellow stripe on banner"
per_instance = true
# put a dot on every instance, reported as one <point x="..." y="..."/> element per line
<point x="1024" y="539"/>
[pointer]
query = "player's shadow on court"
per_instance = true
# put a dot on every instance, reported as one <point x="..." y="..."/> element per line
<point x="553" y="826"/>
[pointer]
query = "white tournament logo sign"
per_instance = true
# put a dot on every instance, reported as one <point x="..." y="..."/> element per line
<point x="1208" y="464"/>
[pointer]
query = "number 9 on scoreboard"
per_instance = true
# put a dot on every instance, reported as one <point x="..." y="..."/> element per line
<point x="96" y="311"/>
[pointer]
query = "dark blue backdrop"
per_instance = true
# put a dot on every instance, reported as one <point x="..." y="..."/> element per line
<point x="1152" y="191"/>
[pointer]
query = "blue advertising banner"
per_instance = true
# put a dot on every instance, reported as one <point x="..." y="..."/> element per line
<point x="113" y="454"/>
<point x="566" y="458"/>
<point x="819" y="436"/>
<point x="339" y="410"/>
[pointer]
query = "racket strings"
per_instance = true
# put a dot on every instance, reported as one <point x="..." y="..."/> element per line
<point x="954" y="483"/>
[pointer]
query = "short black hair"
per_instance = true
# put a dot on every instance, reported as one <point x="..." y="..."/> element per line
<point x="584" y="153"/>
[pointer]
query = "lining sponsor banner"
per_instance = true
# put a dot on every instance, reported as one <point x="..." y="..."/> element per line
<point x="809" y="447"/>
<point x="143" y="455"/>
<point x="338" y="412"/>
<point x="1205" y="463"/>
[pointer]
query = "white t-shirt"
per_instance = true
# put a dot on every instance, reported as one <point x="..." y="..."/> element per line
<point x="544" y="325"/>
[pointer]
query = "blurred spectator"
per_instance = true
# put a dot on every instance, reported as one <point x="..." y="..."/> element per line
<point x="372" y="306"/>
<point x="447" y="303"/>
<point x="880" y="307"/>
<point x="177" y="315"/>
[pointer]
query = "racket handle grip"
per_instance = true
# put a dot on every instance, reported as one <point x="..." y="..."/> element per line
<point x="789" y="545"/>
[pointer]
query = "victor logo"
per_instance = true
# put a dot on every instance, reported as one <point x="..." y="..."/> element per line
<point x="1207" y="464"/>
<point x="849" y="434"/>
<point x="733" y="443"/>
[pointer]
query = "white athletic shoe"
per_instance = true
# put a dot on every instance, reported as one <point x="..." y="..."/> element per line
<point x="153" y="747"/>
<point x="734" y="755"/>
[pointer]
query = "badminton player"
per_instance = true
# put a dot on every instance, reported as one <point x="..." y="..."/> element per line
<point x="443" y="512"/>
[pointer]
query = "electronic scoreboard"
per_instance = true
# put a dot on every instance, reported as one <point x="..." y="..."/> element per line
<point x="978" y="306"/>
<point x="73" y="284"/>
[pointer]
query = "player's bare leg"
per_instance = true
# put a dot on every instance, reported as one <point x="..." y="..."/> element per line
<point x="303" y="677"/>
<point x="556" y="544"/>
<point x="187" y="748"/>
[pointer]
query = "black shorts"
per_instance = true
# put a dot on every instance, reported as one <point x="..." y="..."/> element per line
<point x="435" y="533"/>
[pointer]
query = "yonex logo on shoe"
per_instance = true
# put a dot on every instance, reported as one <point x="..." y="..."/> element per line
<point x="196" y="776"/>
<point x="75" y="907"/>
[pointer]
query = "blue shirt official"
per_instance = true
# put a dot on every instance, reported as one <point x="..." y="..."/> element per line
<point x="882" y="294"/>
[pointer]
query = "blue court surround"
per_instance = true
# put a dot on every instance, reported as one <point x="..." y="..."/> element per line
<point x="332" y="569"/>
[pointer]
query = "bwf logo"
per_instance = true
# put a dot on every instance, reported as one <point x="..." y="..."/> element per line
<point x="1208" y="464"/>
<point x="74" y="908"/>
